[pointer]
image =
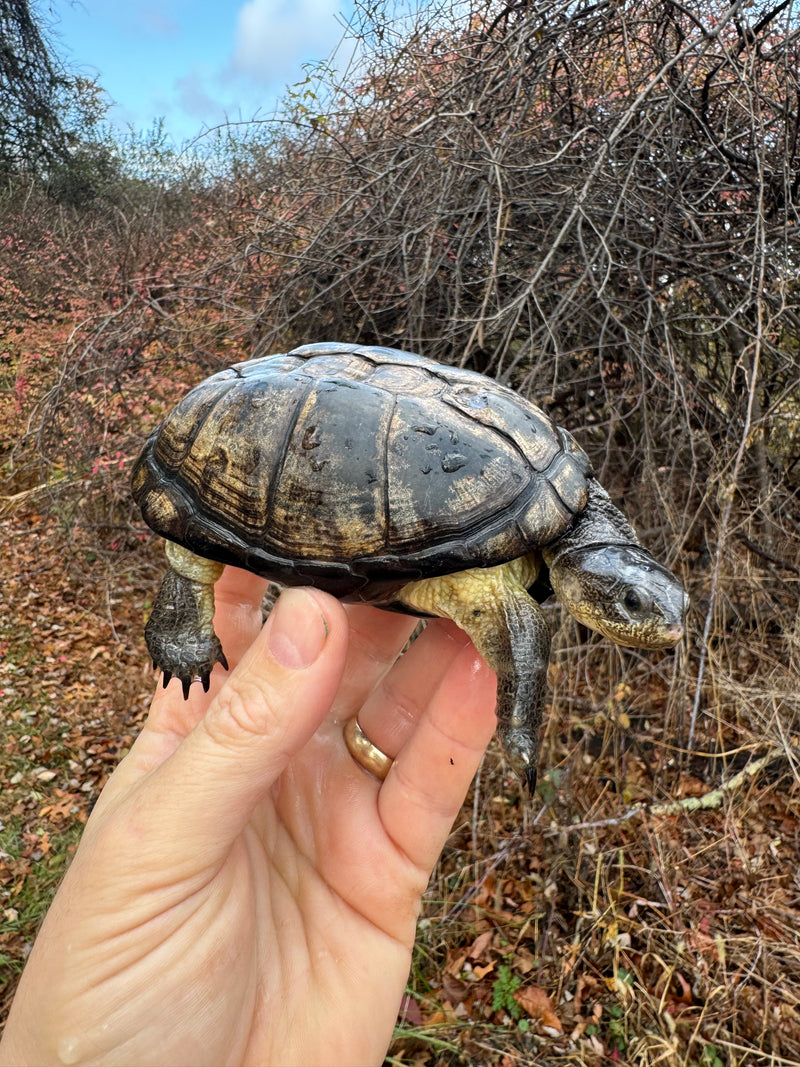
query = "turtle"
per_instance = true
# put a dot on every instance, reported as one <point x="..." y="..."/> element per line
<point x="384" y="477"/>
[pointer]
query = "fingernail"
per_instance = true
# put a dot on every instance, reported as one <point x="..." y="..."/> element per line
<point x="297" y="629"/>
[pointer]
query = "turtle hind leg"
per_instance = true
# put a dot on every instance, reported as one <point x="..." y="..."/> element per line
<point x="180" y="631"/>
<point x="509" y="629"/>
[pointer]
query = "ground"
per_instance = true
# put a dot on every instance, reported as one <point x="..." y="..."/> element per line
<point x="643" y="909"/>
<point x="586" y="927"/>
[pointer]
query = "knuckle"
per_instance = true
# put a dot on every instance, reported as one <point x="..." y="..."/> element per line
<point x="421" y="794"/>
<point x="243" y="710"/>
<point x="408" y="710"/>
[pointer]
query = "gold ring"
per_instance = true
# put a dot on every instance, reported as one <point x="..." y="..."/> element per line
<point x="363" y="751"/>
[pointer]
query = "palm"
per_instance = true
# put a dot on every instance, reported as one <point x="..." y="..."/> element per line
<point x="313" y="867"/>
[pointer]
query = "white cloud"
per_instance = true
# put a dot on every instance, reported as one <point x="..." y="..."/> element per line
<point x="274" y="37"/>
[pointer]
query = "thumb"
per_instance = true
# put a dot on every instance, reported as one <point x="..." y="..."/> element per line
<point x="266" y="711"/>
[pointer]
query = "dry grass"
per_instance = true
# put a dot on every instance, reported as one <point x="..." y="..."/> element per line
<point x="633" y="937"/>
<point x="662" y="931"/>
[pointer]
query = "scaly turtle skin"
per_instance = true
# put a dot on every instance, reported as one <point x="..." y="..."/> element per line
<point x="384" y="477"/>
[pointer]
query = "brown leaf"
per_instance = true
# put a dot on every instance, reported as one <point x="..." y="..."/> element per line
<point x="588" y="987"/>
<point x="537" y="1004"/>
<point x="524" y="960"/>
<point x="480" y="944"/>
<point x="410" y="1011"/>
<point x="456" y="961"/>
<point x="454" y="989"/>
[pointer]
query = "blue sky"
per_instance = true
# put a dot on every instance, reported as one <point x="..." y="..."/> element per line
<point x="193" y="62"/>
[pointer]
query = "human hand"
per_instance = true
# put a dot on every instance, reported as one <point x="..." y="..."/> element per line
<point x="244" y="892"/>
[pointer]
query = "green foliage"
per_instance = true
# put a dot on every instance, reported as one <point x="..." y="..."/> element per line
<point x="549" y="784"/>
<point x="710" y="1058"/>
<point x="617" y="1036"/>
<point x="504" y="987"/>
<point x="92" y="169"/>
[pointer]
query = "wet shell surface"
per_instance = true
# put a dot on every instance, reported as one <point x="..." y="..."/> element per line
<point x="357" y="469"/>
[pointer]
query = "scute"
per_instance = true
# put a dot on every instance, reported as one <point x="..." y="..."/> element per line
<point x="329" y="499"/>
<point x="235" y="443"/>
<point x="534" y="434"/>
<point x="445" y="475"/>
<point x="349" y="467"/>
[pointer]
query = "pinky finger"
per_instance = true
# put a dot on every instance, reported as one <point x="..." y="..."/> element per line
<point x="430" y="776"/>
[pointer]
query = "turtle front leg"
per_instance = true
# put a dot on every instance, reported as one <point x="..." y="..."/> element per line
<point x="510" y="631"/>
<point x="180" y="631"/>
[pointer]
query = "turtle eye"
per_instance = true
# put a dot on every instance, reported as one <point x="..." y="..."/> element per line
<point x="632" y="601"/>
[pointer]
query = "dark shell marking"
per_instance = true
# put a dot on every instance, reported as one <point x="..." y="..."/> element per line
<point x="346" y="466"/>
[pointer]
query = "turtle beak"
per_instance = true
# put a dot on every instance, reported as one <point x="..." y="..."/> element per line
<point x="674" y="631"/>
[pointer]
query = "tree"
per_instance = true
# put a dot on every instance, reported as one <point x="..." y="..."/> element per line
<point x="45" y="112"/>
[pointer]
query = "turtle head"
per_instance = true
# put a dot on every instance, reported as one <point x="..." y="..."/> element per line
<point x="623" y="592"/>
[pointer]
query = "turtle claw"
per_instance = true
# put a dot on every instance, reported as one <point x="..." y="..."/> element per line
<point x="180" y="639"/>
<point x="522" y="752"/>
<point x="189" y="671"/>
<point x="186" y="682"/>
<point x="193" y="671"/>
<point x="184" y="653"/>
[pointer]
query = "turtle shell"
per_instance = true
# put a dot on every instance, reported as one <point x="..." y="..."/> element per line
<point x="358" y="469"/>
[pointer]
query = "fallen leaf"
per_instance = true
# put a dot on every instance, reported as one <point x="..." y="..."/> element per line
<point x="537" y="1004"/>
<point x="480" y="944"/>
<point x="454" y="989"/>
<point x="410" y="1011"/>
